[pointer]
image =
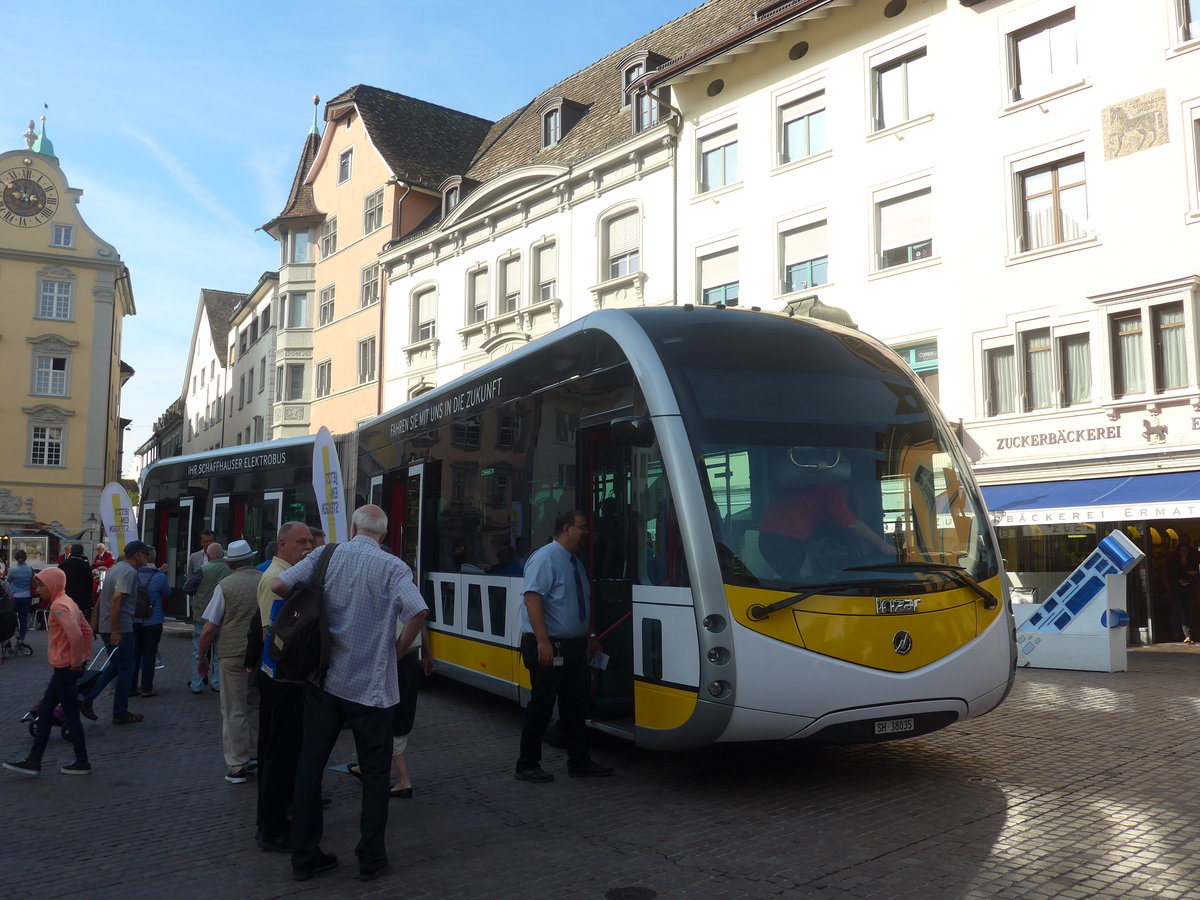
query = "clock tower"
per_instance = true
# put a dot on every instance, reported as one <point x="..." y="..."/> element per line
<point x="64" y="292"/>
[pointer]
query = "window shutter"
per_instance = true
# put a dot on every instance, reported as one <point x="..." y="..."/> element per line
<point x="547" y="257"/>
<point x="720" y="268"/>
<point x="804" y="244"/>
<point x="512" y="275"/>
<point x="624" y="234"/>
<point x="905" y="220"/>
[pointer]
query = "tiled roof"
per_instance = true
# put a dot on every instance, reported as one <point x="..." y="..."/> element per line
<point x="422" y="143"/>
<point x="516" y="139"/>
<point x="300" y="201"/>
<point x="220" y="306"/>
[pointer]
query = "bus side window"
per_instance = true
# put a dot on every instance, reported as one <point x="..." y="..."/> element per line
<point x="652" y="650"/>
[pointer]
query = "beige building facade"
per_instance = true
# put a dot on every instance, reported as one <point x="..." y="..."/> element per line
<point x="65" y="293"/>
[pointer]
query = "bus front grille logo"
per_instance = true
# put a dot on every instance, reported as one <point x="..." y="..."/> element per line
<point x="902" y="642"/>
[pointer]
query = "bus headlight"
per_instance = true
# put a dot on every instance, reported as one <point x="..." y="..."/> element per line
<point x="714" y="623"/>
<point x="718" y="688"/>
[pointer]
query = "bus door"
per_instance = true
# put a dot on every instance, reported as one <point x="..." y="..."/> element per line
<point x="222" y="521"/>
<point x="607" y="479"/>
<point x="167" y="527"/>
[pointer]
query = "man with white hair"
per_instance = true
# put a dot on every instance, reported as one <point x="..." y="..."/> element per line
<point x="366" y="589"/>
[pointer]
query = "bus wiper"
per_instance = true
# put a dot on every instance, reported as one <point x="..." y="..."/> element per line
<point x="758" y="612"/>
<point x="956" y="573"/>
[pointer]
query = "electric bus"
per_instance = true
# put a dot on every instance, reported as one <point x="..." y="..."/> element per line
<point x="786" y="539"/>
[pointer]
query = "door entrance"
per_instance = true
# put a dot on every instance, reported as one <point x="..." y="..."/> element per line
<point x="607" y="467"/>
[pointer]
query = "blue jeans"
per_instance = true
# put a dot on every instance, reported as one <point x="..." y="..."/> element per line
<point x="214" y="674"/>
<point x="122" y="671"/>
<point x="23" y="606"/>
<point x="60" y="690"/>
<point x="324" y="715"/>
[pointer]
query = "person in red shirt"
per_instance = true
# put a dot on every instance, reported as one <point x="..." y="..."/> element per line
<point x="812" y="496"/>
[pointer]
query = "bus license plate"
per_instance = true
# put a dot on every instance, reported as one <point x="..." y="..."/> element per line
<point x="893" y="726"/>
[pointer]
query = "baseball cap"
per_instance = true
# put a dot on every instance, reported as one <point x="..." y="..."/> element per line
<point x="137" y="547"/>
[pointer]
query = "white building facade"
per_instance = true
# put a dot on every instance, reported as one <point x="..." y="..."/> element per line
<point x="251" y="356"/>
<point x="204" y="378"/>
<point x="1005" y="192"/>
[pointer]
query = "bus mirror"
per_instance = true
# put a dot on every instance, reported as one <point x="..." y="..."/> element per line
<point x="637" y="431"/>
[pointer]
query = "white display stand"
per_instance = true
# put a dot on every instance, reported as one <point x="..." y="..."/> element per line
<point x="1083" y="624"/>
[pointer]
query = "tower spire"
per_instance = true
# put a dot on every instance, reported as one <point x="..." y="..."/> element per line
<point x="42" y="145"/>
<point x="316" y="106"/>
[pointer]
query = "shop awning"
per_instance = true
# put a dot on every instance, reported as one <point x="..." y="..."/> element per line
<point x="1174" y="495"/>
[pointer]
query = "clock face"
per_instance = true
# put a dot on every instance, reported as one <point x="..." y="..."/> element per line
<point x="29" y="197"/>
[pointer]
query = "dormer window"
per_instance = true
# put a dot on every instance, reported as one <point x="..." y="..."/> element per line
<point x="646" y="107"/>
<point x="551" y="128"/>
<point x="453" y="190"/>
<point x="559" y="115"/>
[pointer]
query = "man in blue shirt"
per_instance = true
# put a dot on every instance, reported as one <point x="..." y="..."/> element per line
<point x="556" y="647"/>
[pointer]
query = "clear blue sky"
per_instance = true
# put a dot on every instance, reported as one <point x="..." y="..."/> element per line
<point x="183" y="122"/>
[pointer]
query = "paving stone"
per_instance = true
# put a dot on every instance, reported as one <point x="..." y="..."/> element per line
<point x="1080" y="785"/>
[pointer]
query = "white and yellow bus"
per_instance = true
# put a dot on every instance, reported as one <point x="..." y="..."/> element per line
<point x="787" y="542"/>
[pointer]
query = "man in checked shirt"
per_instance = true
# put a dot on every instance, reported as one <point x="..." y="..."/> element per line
<point x="366" y="589"/>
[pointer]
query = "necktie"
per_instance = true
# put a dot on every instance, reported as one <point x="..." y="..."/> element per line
<point x="579" y="589"/>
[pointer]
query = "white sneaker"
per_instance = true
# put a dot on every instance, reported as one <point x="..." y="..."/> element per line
<point x="238" y="776"/>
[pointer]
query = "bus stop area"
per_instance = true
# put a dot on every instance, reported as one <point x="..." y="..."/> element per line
<point x="1081" y="784"/>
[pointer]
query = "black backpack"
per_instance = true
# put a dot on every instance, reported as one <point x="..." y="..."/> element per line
<point x="143" y="606"/>
<point x="299" y="639"/>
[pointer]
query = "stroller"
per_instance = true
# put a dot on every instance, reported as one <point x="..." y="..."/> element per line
<point x="86" y="680"/>
<point x="8" y="627"/>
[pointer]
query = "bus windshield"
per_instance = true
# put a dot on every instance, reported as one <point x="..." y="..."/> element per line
<point x="824" y="477"/>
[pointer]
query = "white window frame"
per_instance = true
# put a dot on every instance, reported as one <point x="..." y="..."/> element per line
<point x="818" y="217"/>
<point x="887" y="194"/>
<point x="543" y="289"/>
<point x="345" y="165"/>
<point x="57" y="230"/>
<point x="1030" y="24"/>
<point x="1185" y="31"/>
<point x="57" y="382"/>
<point x="422" y="329"/>
<point x="368" y="292"/>
<point x="292" y="305"/>
<point x="53" y="436"/>
<point x="551" y="127"/>
<point x="1019" y="165"/>
<point x="723" y="254"/>
<point x="329" y="237"/>
<point x="291" y="381"/>
<point x="917" y="109"/>
<point x="478" y="282"/>
<point x="625" y="263"/>
<point x="366" y="353"/>
<point x="718" y="140"/>
<point x="1143" y="302"/>
<point x="326" y="304"/>
<point x="1191" y="143"/>
<point x="323" y="385"/>
<point x="373" y="211"/>
<point x="56" y="300"/>
<point x="508" y="295"/>
<point x="797" y="103"/>
<point x="309" y="244"/>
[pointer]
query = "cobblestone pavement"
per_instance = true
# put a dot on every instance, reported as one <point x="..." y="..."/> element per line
<point x="1079" y="786"/>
